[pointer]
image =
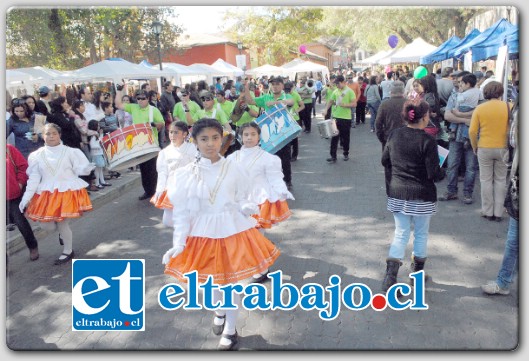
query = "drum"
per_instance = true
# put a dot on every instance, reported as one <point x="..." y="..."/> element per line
<point x="327" y="128"/>
<point x="278" y="128"/>
<point x="129" y="146"/>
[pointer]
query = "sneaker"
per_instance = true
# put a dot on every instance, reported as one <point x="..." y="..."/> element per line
<point x="346" y="157"/>
<point x="448" y="197"/>
<point x="372" y="130"/>
<point x="331" y="160"/>
<point x="492" y="288"/>
<point x="468" y="199"/>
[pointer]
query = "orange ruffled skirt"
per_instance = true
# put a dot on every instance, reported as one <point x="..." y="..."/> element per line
<point x="163" y="201"/>
<point x="56" y="206"/>
<point x="227" y="260"/>
<point x="272" y="213"/>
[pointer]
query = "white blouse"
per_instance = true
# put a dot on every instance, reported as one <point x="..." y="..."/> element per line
<point x="58" y="168"/>
<point x="266" y="175"/>
<point x="171" y="158"/>
<point x="209" y="200"/>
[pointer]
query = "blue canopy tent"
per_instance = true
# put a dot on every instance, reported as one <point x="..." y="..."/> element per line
<point x="467" y="39"/>
<point x="439" y="54"/>
<point x="490" y="48"/>
<point x="499" y="27"/>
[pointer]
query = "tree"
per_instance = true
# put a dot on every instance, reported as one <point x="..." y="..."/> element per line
<point x="70" y="38"/>
<point x="370" y="27"/>
<point x="273" y="31"/>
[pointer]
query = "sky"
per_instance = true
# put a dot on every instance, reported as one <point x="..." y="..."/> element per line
<point x="201" y="19"/>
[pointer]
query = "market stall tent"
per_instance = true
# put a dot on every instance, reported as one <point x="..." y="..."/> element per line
<point x="267" y="69"/>
<point x="439" y="54"/>
<point x="373" y="59"/>
<point x="490" y="47"/>
<point x="224" y="65"/>
<point x="467" y="39"/>
<point x="411" y="53"/>
<point x="116" y="70"/>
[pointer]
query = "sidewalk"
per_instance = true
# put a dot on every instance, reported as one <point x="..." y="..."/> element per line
<point x="129" y="179"/>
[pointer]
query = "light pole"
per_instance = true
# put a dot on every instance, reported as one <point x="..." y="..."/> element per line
<point x="157" y="29"/>
<point x="239" y="46"/>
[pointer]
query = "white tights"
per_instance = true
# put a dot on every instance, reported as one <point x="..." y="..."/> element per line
<point x="100" y="177"/>
<point x="65" y="232"/>
<point x="231" y="315"/>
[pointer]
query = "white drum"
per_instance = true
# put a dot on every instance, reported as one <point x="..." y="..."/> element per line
<point x="327" y="128"/>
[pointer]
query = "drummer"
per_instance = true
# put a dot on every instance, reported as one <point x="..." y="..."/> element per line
<point x="140" y="115"/>
<point x="266" y="101"/>
<point x="213" y="112"/>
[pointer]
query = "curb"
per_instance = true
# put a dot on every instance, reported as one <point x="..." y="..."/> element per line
<point x="16" y="242"/>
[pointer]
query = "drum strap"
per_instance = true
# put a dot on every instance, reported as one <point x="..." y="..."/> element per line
<point x="151" y="115"/>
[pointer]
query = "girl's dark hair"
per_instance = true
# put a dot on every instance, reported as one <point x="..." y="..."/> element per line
<point x="93" y="125"/>
<point x="249" y="125"/>
<point x="56" y="104"/>
<point x="97" y="98"/>
<point x="76" y="105"/>
<point x="493" y="90"/>
<point x="104" y="105"/>
<point x="203" y="123"/>
<point x="413" y="111"/>
<point x="27" y="111"/>
<point x="373" y="80"/>
<point x="180" y="126"/>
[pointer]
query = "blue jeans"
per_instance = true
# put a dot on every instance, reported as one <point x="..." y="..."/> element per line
<point x="373" y="109"/>
<point x="402" y="235"/>
<point x="509" y="264"/>
<point x="456" y="153"/>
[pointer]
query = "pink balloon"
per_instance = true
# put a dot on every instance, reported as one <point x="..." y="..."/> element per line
<point x="388" y="69"/>
<point x="302" y="49"/>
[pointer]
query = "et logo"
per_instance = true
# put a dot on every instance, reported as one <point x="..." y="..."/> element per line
<point x="108" y="295"/>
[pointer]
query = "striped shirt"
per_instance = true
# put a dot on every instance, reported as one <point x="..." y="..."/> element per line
<point x="411" y="207"/>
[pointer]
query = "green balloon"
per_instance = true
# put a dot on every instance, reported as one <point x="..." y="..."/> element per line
<point x="420" y="72"/>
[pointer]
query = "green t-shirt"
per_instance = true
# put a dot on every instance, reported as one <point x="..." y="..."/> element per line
<point x="341" y="96"/>
<point x="294" y="109"/>
<point x="261" y="101"/>
<point x="246" y="117"/>
<point x="227" y="107"/>
<point x="214" y="113"/>
<point x="180" y="113"/>
<point x="141" y="115"/>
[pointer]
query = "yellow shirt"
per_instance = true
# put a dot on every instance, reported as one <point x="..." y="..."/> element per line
<point x="489" y="125"/>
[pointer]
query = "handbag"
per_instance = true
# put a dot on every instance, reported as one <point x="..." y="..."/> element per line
<point x="512" y="198"/>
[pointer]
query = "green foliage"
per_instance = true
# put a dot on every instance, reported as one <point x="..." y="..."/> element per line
<point x="70" y="38"/>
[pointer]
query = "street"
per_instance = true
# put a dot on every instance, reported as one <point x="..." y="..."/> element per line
<point x="340" y="226"/>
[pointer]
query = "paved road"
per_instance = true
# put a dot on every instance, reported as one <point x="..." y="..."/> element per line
<point x="340" y="226"/>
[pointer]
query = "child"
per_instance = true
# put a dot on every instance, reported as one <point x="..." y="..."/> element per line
<point x="176" y="155"/>
<point x="96" y="155"/>
<point x="213" y="231"/>
<point x="268" y="189"/>
<point x="54" y="191"/>
<point x="467" y="100"/>
<point x="110" y="122"/>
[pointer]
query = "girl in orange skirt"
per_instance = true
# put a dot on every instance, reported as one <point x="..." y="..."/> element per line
<point x="214" y="233"/>
<point x="176" y="155"/>
<point x="268" y="189"/>
<point x="54" y="191"/>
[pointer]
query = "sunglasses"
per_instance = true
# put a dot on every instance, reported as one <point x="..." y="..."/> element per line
<point x="141" y="98"/>
<point x="18" y="101"/>
<point x="205" y="99"/>
<point x="185" y="94"/>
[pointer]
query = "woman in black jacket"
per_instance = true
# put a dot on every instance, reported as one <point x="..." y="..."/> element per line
<point x="60" y="115"/>
<point x="412" y="166"/>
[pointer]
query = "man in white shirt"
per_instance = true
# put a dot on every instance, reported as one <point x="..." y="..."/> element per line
<point x="90" y="109"/>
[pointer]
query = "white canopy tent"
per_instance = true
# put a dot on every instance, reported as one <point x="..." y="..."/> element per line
<point x="208" y="71"/>
<point x="293" y="63"/>
<point x="178" y="73"/>
<point x="50" y="77"/>
<point x="373" y="59"/>
<point x="224" y="65"/>
<point x="411" y="53"/>
<point x="116" y="70"/>
<point x="308" y="68"/>
<point x="266" y="69"/>
<point x="19" y="81"/>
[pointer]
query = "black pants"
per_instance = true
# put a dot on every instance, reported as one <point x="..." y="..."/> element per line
<point x="306" y="116"/>
<point x="149" y="176"/>
<point x="295" y="143"/>
<point x="360" y="112"/>
<point x="318" y="96"/>
<point x="284" y="155"/>
<point x="22" y="223"/>
<point x="344" y="128"/>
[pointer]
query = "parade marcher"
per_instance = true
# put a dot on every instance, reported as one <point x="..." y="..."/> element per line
<point x="187" y="110"/>
<point x="295" y="110"/>
<point x="176" y="154"/>
<point x="412" y="162"/>
<point x="267" y="100"/>
<point x="16" y="180"/>
<point x="214" y="233"/>
<point x="54" y="191"/>
<point x="306" y="90"/>
<point x="344" y="99"/>
<point x="141" y="113"/>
